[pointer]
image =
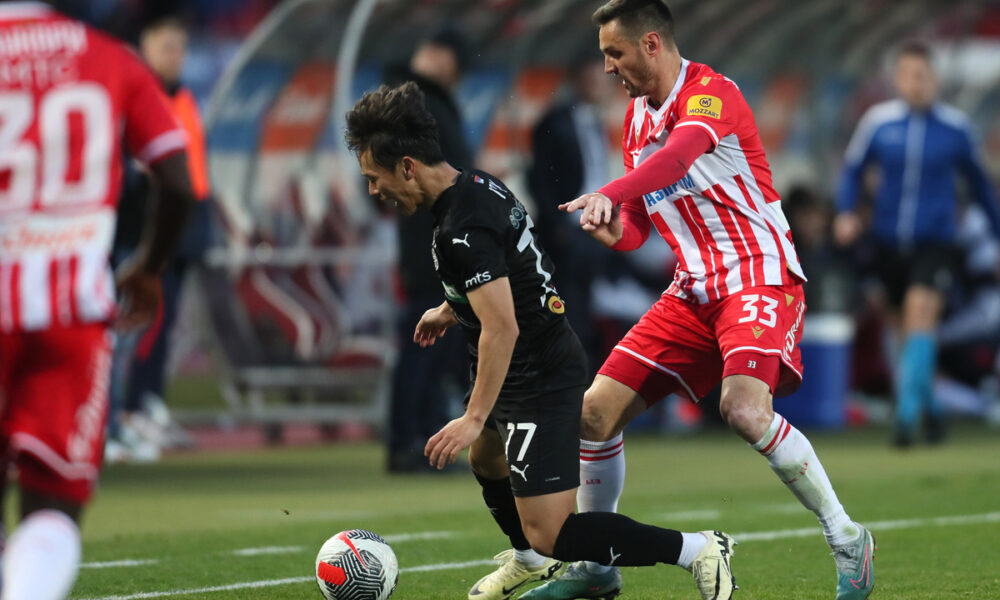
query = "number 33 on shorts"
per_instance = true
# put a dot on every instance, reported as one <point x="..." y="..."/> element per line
<point x="768" y="320"/>
<point x="760" y="308"/>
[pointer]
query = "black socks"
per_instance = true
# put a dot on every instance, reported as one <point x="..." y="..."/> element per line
<point x="616" y="540"/>
<point x="500" y="500"/>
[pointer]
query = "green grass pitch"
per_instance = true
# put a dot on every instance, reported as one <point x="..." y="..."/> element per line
<point x="229" y="521"/>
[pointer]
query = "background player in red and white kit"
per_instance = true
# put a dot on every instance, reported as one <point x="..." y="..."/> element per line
<point x="70" y="99"/>
<point x="696" y="170"/>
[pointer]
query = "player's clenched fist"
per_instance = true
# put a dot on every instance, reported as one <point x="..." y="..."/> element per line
<point x="433" y="325"/>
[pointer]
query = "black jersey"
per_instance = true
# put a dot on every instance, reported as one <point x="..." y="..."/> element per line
<point x="482" y="233"/>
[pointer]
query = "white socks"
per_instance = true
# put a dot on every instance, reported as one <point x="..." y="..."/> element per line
<point x="41" y="558"/>
<point x="693" y="544"/>
<point x="794" y="461"/>
<point x="602" y="475"/>
<point x="602" y="479"/>
<point x="529" y="557"/>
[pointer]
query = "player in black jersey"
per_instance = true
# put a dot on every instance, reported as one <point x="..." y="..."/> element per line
<point x="522" y="417"/>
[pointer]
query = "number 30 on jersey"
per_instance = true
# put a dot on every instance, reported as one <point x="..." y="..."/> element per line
<point x="81" y="110"/>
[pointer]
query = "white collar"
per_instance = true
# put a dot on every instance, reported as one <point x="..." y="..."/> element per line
<point x="659" y="112"/>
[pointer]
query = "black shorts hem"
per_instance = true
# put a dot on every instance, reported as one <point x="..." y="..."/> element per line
<point x="546" y="490"/>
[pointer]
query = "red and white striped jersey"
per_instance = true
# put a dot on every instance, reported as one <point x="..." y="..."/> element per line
<point x="723" y="219"/>
<point x="70" y="99"/>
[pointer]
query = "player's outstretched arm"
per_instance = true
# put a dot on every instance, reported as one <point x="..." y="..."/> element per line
<point x="493" y="304"/>
<point x="609" y="233"/>
<point x="433" y="324"/>
<point x="595" y="208"/>
<point x="139" y="280"/>
<point x="663" y="168"/>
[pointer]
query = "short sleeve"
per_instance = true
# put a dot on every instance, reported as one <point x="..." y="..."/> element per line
<point x="714" y="104"/>
<point x="471" y="243"/>
<point x="472" y="255"/>
<point x="151" y="131"/>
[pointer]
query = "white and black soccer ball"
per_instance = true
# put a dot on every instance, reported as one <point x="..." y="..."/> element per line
<point x="356" y="565"/>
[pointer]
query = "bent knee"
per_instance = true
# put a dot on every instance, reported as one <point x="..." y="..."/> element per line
<point x="542" y="539"/>
<point x="489" y="465"/>
<point x="746" y="416"/>
<point x="489" y="469"/>
<point x="597" y="424"/>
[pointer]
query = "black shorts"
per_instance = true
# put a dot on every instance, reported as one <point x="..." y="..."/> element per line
<point x="928" y="264"/>
<point x="541" y="437"/>
<point x="539" y="418"/>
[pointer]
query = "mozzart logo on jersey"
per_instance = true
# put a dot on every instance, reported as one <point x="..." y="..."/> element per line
<point x="705" y="106"/>
<point x="684" y="183"/>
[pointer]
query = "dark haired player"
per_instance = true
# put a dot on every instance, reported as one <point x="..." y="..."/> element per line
<point x="529" y="368"/>
<point x="697" y="172"/>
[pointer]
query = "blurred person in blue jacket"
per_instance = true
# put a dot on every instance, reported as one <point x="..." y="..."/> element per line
<point x="919" y="145"/>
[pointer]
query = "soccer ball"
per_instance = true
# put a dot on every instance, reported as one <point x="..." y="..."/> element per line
<point x="356" y="565"/>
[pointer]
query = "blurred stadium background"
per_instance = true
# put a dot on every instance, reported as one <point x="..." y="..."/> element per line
<point x="287" y="333"/>
<point x="290" y="319"/>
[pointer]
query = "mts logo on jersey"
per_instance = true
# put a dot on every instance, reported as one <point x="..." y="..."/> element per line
<point x="477" y="279"/>
<point x="684" y="183"/>
<point x="704" y="106"/>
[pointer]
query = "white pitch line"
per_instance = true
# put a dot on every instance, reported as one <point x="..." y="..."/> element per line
<point x="268" y="550"/>
<point x="396" y="538"/>
<point x="448" y="566"/>
<point x="288" y="580"/>
<point x="423" y="535"/>
<point x="128" y="562"/>
<point x="992" y="517"/>
<point x="217" y="588"/>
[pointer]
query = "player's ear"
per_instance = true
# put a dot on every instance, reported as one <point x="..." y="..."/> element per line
<point x="651" y="43"/>
<point x="407" y="166"/>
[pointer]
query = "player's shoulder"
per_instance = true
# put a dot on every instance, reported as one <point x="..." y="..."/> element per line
<point x="706" y="93"/>
<point x="477" y="199"/>
<point x="951" y="116"/>
<point x="703" y="79"/>
<point x="884" y="113"/>
<point x="488" y="190"/>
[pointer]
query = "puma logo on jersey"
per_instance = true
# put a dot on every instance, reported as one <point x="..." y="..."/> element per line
<point x="464" y="241"/>
<point x="521" y="472"/>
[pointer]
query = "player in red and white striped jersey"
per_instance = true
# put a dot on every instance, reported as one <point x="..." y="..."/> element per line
<point x="721" y="216"/>
<point x="697" y="172"/>
<point x="71" y="100"/>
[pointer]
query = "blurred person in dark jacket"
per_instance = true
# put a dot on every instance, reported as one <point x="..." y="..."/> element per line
<point x="569" y="156"/>
<point x="140" y="423"/>
<point x="419" y="406"/>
